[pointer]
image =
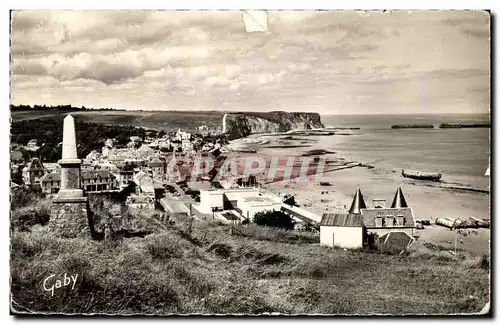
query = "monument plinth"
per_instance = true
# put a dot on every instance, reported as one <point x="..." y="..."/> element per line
<point x="69" y="213"/>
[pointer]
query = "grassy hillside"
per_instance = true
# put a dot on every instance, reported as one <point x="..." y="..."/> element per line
<point x="158" y="120"/>
<point x="254" y="270"/>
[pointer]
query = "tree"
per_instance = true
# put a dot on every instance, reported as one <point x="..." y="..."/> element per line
<point x="274" y="219"/>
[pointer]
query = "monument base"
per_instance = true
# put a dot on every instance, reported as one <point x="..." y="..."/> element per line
<point x="69" y="217"/>
<point x="76" y="194"/>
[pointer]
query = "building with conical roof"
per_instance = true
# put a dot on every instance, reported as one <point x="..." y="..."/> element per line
<point x="399" y="200"/>
<point x="358" y="203"/>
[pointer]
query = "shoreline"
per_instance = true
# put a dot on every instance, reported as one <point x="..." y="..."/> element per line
<point x="428" y="200"/>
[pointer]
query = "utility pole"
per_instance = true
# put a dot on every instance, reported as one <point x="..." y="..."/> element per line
<point x="455" y="232"/>
<point x="455" y="235"/>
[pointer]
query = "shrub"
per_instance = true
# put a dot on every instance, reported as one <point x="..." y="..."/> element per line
<point x="274" y="219"/>
<point x="23" y="196"/>
<point x="163" y="247"/>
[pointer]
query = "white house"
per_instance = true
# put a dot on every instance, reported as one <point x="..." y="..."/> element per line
<point x="186" y="145"/>
<point x="211" y="199"/>
<point x="252" y="205"/>
<point x="246" y="201"/>
<point x="32" y="145"/>
<point x="181" y="135"/>
<point x="343" y="230"/>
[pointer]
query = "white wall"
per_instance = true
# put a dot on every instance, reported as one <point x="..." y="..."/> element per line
<point x="249" y="209"/>
<point x="210" y="199"/>
<point x="345" y="237"/>
<point x="238" y="194"/>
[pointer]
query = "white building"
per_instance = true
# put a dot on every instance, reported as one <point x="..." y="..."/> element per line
<point x="344" y="230"/>
<point x="110" y="143"/>
<point x="250" y="206"/>
<point x="245" y="201"/>
<point x="186" y="145"/>
<point x="211" y="200"/>
<point x="181" y="135"/>
<point x="32" y="145"/>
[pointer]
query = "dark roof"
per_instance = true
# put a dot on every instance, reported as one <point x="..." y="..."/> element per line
<point x="341" y="220"/>
<point x="230" y="216"/>
<point x="395" y="241"/>
<point x="52" y="177"/>
<point x="103" y="173"/>
<point x="357" y="203"/>
<point x="396" y="236"/>
<point x="369" y="215"/>
<point x="399" y="200"/>
<point x="156" y="163"/>
<point x="35" y="164"/>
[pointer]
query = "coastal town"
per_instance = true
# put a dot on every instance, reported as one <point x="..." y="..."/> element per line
<point x="250" y="162"/>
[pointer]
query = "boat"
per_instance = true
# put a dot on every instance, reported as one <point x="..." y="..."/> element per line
<point x="429" y="176"/>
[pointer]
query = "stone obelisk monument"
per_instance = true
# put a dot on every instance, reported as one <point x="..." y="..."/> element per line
<point x="69" y="213"/>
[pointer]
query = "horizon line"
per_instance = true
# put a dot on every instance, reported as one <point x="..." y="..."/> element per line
<point x="243" y="111"/>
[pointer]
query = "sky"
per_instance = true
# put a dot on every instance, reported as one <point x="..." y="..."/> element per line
<point x="331" y="62"/>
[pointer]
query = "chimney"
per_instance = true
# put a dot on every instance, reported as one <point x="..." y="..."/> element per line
<point x="379" y="203"/>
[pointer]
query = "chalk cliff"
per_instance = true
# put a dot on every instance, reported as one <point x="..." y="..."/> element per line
<point x="238" y="125"/>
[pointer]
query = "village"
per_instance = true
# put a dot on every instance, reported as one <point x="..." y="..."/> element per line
<point x="170" y="183"/>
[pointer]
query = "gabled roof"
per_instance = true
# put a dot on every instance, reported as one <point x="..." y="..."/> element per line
<point x="34" y="164"/>
<point x="341" y="220"/>
<point x="358" y="203"/>
<point x="156" y="162"/>
<point x="103" y="173"/>
<point x="399" y="200"/>
<point x="369" y="216"/>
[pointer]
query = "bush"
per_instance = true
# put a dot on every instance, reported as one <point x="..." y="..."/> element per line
<point x="163" y="247"/>
<point x="36" y="213"/>
<point x="274" y="219"/>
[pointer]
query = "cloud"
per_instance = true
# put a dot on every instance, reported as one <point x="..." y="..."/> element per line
<point x="29" y="67"/>
<point x="205" y="59"/>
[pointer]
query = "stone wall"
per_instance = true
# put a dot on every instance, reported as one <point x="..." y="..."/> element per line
<point x="70" y="219"/>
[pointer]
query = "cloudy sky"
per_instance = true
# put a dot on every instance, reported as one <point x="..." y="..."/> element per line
<point x="328" y="62"/>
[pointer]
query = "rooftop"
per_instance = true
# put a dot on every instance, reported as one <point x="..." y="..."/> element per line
<point x="51" y="177"/>
<point x="258" y="200"/>
<point x="369" y="215"/>
<point x="103" y="173"/>
<point x="342" y="220"/>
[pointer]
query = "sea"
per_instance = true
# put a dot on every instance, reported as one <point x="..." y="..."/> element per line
<point x="461" y="155"/>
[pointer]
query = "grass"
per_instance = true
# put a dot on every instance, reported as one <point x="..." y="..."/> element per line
<point x="166" y="120"/>
<point x="263" y="271"/>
